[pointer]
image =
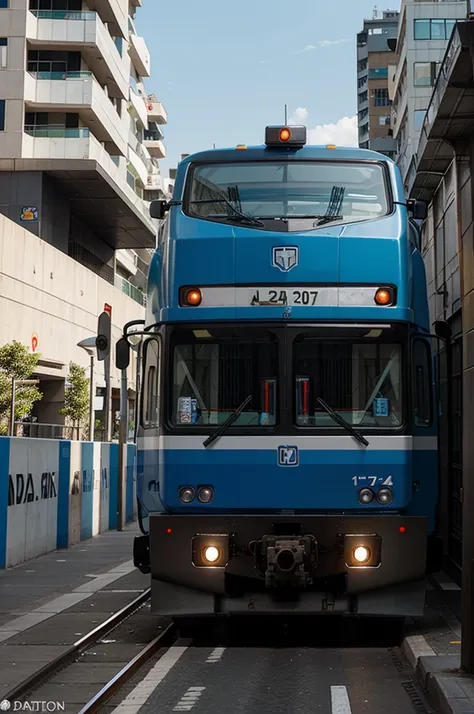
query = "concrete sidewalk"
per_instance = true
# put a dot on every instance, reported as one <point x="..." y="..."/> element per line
<point x="48" y="603"/>
<point x="433" y="648"/>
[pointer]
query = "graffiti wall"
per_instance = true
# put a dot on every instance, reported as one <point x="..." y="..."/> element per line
<point x="54" y="494"/>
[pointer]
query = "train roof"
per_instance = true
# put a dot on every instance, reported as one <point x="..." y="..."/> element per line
<point x="252" y="153"/>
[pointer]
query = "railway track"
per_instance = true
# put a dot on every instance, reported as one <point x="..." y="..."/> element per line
<point x="30" y="688"/>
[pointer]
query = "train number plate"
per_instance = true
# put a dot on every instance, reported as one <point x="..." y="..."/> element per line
<point x="285" y="296"/>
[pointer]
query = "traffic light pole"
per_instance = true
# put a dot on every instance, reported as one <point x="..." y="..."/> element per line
<point x="122" y="445"/>
<point x="107" y="400"/>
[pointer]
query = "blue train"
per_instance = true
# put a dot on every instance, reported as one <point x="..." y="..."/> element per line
<point x="287" y="442"/>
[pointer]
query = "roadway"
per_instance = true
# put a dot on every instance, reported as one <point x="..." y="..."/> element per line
<point x="329" y="666"/>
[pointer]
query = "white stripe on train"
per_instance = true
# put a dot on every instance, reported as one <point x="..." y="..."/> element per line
<point x="304" y="443"/>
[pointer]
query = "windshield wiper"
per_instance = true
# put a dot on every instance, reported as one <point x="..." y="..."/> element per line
<point x="342" y="422"/>
<point x="228" y="422"/>
<point x="243" y="216"/>
<point x="326" y="219"/>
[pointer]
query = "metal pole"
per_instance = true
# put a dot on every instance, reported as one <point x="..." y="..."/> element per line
<point x="122" y="444"/>
<point x="91" y="401"/>
<point x="107" y="399"/>
<point x="12" y="409"/>
<point x="286" y="114"/>
<point x="138" y="388"/>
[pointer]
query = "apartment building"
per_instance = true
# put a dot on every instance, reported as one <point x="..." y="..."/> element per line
<point x="373" y="105"/>
<point x="424" y="30"/>
<point x="80" y="144"/>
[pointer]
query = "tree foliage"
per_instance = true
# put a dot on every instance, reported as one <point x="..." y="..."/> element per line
<point x="16" y="362"/>
<point x="76" y="400"/>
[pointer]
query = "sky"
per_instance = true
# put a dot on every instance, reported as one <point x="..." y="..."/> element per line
<point x="225" y="70"/>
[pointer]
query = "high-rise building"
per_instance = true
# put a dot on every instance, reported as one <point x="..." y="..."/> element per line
<point x="80" y="144"/>
<point x="80" y="139"/>
<point x="424" y="30"/>
<point x="373" y="56"/>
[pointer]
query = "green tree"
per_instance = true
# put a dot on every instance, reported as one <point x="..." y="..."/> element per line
<point x="76" y="400"/>
<point x="16" y="363"/>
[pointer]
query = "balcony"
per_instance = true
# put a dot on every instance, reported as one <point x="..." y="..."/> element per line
<point x="138" y="158"/>
<point x="138" y="107"/>
<point x="156" y="110"/>
<point x="104" y="201"/>
<point x="76" y="92"/>
<point x="153" y="142"/>
<point x="111" y="12"/>
<point x="131" y="290"/>
<point x="139" y="55"/>
<point x="154" y="182"/>
<point x="81" y="32"/>
<point x="128" y="259"/>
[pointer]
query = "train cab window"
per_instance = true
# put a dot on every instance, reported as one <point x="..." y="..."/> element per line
<point x="422" y="391"/>
<point x="151" y="384"/>
<point x="356" y="372"/>
<point x="214" y="371"/>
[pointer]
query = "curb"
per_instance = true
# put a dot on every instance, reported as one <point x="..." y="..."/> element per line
<point x="439" y="676"/>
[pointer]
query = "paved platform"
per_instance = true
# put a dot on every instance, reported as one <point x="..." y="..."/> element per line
<point x="48" y="603"/>
<point x="433" y="647"/>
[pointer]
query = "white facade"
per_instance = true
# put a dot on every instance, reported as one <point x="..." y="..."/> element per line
<point x="424" y="31"/>
<point x="80" y="143"/>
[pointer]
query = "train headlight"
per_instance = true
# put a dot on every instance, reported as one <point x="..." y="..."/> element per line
<point x="186" y="494"/>
<point x="362" y="550"/>
<point x="384" y="296"/>
<point x="205" y="494"/>
<point x="191" y="297"/>
<point x="211" y="554"/>
<point x="210" y="551"/>
<point x="385" y="496"/>
<point x="361" y="554"/>
<point x="366" y="495"/>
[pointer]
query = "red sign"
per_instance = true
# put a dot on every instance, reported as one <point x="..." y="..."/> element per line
<point x="34" y="342"/>
<point x="108" y="309"/>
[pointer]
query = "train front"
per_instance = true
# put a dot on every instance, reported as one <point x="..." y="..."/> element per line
<point x="287" y="446"/>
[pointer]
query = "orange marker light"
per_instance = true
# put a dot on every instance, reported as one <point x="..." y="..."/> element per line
<point x="194" y="297"/>
<point x="285" y="134"/>
<point x="383" y="296"/>
<point x="241" y="147"/>
<point x="331" y="146"/>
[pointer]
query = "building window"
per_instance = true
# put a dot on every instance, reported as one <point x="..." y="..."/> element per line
<point x="434" y="29"/>
<point x="3" y="3"/>
<point x="381" y="98"/>
<point x="2" y="115"/>
<point x="384" y="120"/>
<point x="363" y="97"/>
<point x="419" y="118"/>
<point x="3" y="52"/>
<point x="378" y="73"/>
<point x="425" y="73"/>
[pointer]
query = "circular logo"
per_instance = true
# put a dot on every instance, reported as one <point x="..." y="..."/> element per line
<point x="5" y="705"/>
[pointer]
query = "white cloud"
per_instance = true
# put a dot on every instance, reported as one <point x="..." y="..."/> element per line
<point x="308" y="48"/>
<point x="328" y="43"/>
<point x="342" y="133"/>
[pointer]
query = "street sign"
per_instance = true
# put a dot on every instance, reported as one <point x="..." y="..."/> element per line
<point x="34" y="342"/>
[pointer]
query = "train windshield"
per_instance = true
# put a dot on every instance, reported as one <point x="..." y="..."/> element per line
<point x="287" y="195"/>
<point x="357" y="373"/>
<point x="216" y="370"/>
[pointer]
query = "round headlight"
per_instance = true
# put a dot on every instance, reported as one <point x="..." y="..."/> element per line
<point x="385" y="496"/>
<point x="211" y="554"/>
<point x="205" y="494"/>
<point x="186" y="494"/>
<point x="366" y="495"/>
<point x="361" y="554"/>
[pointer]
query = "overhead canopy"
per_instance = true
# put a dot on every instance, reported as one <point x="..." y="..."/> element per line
<point x="450" y="115"/>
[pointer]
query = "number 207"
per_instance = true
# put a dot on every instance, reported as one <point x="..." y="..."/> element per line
<point x="300" y="297"/>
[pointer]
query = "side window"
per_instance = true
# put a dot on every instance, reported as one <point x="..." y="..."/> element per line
<point x="163" y="231"/>
<point x="151" y="384"/>
<point x="422" y="383"/>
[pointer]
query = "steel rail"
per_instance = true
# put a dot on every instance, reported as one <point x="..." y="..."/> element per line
<point x="117" y="682"/>
<point x="37" y="678"/>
